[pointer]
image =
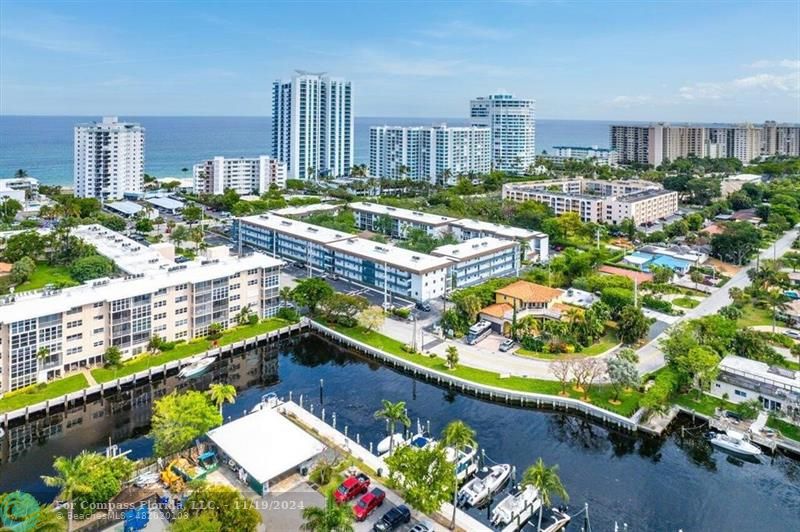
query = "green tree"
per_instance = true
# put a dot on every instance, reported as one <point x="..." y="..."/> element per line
<point x="393" y="413"/>
<point x="22" y="270"/>
<point x="309" y="292"/>
<point x="285" y="295"/>
<point x="221" y="393"/>
<point x="332" y="517"/>
<point x="458" y="436"/>
<point x="27" y="244"/>
<point x="192" y="214"/>
<point x="632" y="325"/>
<point x="697" y="277"/>
<point x="180" y="234"/>
<point x="113" y="357"/>
<point x="470" y="305"/>
<point x="737" y="242"/>
<point x="9" y="207"/>
<point x="179" y="418"/>
<point x="661" y="274"/>
<point x="342" y="308"/>
<point x="144" y="225"/>
<point x="617" y="299"/>
<point x="155" y="343"/>
<point x="698" y="366"/>
<point x="547" y="483"/>
<point x="371" y="318"/>
<point x="452" y="357"/>
<point x="202" y="522"/>
<point x="425" y="476"/>
<point x="225" y="506"/>
<point x="622" y="372"/>
<point x="243" y="316"/>
<point x="70" y="480"/>
<point x="91" y="267"/>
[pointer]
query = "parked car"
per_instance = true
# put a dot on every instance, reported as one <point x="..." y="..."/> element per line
<point x="421" y="527"/>
<point x="367" y="503"/>
<point x="791" y="333"/>
<point x="424" y="306"/>
<point x="351" y="487"/>
<point x="393" y="519"/>
<point x="507" y="345"/>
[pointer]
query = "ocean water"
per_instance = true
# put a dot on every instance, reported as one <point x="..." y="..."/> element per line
<point x="42" y="145"/>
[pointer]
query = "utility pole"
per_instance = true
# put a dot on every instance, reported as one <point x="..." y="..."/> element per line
<point x="385" y="285"/>
<point x="414" y="333"/>
<point x="635" y="292"/>
<point x="597" y="237"/>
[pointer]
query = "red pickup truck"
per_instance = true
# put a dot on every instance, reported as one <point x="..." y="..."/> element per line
<point x="352" y="487"/>
<point x="368" y="503"/>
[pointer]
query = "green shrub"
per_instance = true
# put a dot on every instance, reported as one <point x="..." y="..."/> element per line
<point x="531" y="343"/>
<point x="402" y="312"/>
<point x="657" y="397"/>
<point x="657" y="304"/>
<point x="288" y="313"/>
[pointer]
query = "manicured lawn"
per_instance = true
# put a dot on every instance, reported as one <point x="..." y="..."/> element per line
<point x="145" y="361"/>
<point x="685" y="302"/>
<point x="755" y="316"/>
<point x="36" y="394"/>
<point x="605" y="343"/>
<point x="47" y="274"/>
<point x="786" y="429"/>
<point x="707" y="404"/>
<point x="599" y="396"/>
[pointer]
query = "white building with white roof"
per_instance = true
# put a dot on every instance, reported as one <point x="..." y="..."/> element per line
<point x="245" y="175"/>
<point x="108" y="159"/>
<point x="480" y="259"/>
<point x="301" y="211"/>
<point x="535" y="244"/>
<point x="75" y="326"/>
<point x="370" y="216"/>
<point x="742" y="379"/>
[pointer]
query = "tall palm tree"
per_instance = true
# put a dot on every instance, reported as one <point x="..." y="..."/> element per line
<point x="457" y="435"/>
<point x="70" y="479"/>
<point x="286" y="295"/>
<point x="547" y="482"/>
<point x="332" y="518"/>
<point x="394" y="413"/>
<point x="222" y="393"/>
<point x="244" y="315"/>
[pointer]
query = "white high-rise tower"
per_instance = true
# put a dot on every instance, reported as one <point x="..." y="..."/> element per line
<point x="312" y="125"/>
<point x="513" y="128"/>
<point x="109" y="159"/>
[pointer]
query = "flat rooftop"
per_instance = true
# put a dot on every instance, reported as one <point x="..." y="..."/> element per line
<point x="163" y="202"/>
<point x="506" y="231"/>
<point x="761" y="371"/>
<point x="303" y="210"/>
<point x="42" y="302"/>
<point x="127" y="208"/>
<point x="643" y="195"/>
<point x="474" y="247"/>
<point x="402" y="214"/>
<point x="130" y="256"/>
<point x="396" y="257"/>
<point x="291" y="227"/>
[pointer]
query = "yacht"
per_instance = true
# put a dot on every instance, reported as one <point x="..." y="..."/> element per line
<point x="735" y="442"/>
<point x="487" y="481"/>
<point x="559" y="519"/>
<point x="196" y="369"/>
<point x="517" y="507"/>
<point x="465" y="460"/>
<point x="390" y="442"/>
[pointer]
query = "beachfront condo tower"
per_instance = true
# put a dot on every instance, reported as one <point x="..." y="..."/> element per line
<point x="513" y="128"/>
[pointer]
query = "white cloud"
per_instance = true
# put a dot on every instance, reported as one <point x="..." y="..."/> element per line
<point x="763" y="82"/>
<point x="631" y="101"/>
<point x="792" y="64"/>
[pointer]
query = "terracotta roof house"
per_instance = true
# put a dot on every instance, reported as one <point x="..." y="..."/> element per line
<point x="5" y="268"/>
<point x="528" y="299"/>
<point x="639" y="277"/>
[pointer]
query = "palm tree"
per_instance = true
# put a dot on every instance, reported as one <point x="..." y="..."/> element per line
<point x="69" y="479"/>
<point x="222" y="393"/>
<point x="394" y="413"/>
<point x="452" y="357"/>
<point x="42" y="354"/>
<point x="19" y="174"/>
<point x="457" y="435"/>
<point x="154" y="344"/>
<point x="547" y="483"/>
<point x="48" y="520"/>
<point x="332" y="518"/>
<point x="244" y="315"/>
<point x="286" y="295"/>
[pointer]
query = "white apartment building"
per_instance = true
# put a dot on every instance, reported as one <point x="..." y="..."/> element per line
<point x="312" y="125"/>
<point x="47" y="333"/>
<point x="741" y="379"/>
<point x="245" y="175"/>
<point x="435" y="153"/>
<point x="534" y="245"/>
<point x="597" y="200"/>
<point x="371" y="216"/>
<point x="744" y="142"/>
<point x="479" y="259"/>
<point x="600" y="156"/>
<point x="513" y="130"/>
<point x="108" y="159"/>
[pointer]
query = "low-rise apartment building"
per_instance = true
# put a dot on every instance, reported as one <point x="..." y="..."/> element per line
<point x="600" y="156"/>
<point x="245" y="175"/>
<point x="597" y="200"/>
<point x="534" y="245"/>
<point x="480" y="259"/>
<point x="396" y="221"/>
<point x="47" y="333"/>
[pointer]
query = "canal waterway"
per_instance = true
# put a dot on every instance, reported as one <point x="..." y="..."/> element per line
<point x="671" y="483"/>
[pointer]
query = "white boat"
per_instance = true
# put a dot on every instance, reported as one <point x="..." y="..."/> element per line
<point x="421" y="440"/>
<point x="465" y="460"/>
<point x="517" y="507"/>
<point x="197" y="368"/>
<point x="269" y="400"/>
<point x="559" y="519"/>
<point x="485" y="482"/>
<point x="736" y="442"/>
<point x="390" y="442"/>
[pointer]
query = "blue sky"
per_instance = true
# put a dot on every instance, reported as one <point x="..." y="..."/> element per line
<point x="669" y="60"/>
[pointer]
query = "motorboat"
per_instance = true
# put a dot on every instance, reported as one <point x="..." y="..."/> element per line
<point x="421" y="440"/>
<point x="196" y="369"/>
<point x="486" y="481"/>
<point x="269" y="400"/>
<point x="735" y="442"/>
<point x="517" y="507"/>
<point x="559" y="519"/>
<point x="390" y="442"/>
<point x="465" y="460"/>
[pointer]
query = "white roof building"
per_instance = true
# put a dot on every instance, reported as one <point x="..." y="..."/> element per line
<point x="295" y="228"/>
<point x="393" y="256"/>
<point x="130" y="256"/>
<point x="402" y="214"/>
<point x="476" y="247"/>
<point x="741" y="379"/>
<point x="306" y="210"/>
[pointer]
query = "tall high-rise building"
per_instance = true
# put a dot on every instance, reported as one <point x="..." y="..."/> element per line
<point x="437" y="153"/>
<point x="109" y="159"/>
<point x="744" y="142"/>
<point x="245" y="175"/>
<point x="787" y="140"/>
<point x="513" y="129"/>
<point x="312" y="125"/>
<point x="632" y="143"/>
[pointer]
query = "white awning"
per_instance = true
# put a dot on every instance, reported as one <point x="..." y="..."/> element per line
<point x="265" y="444"/>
